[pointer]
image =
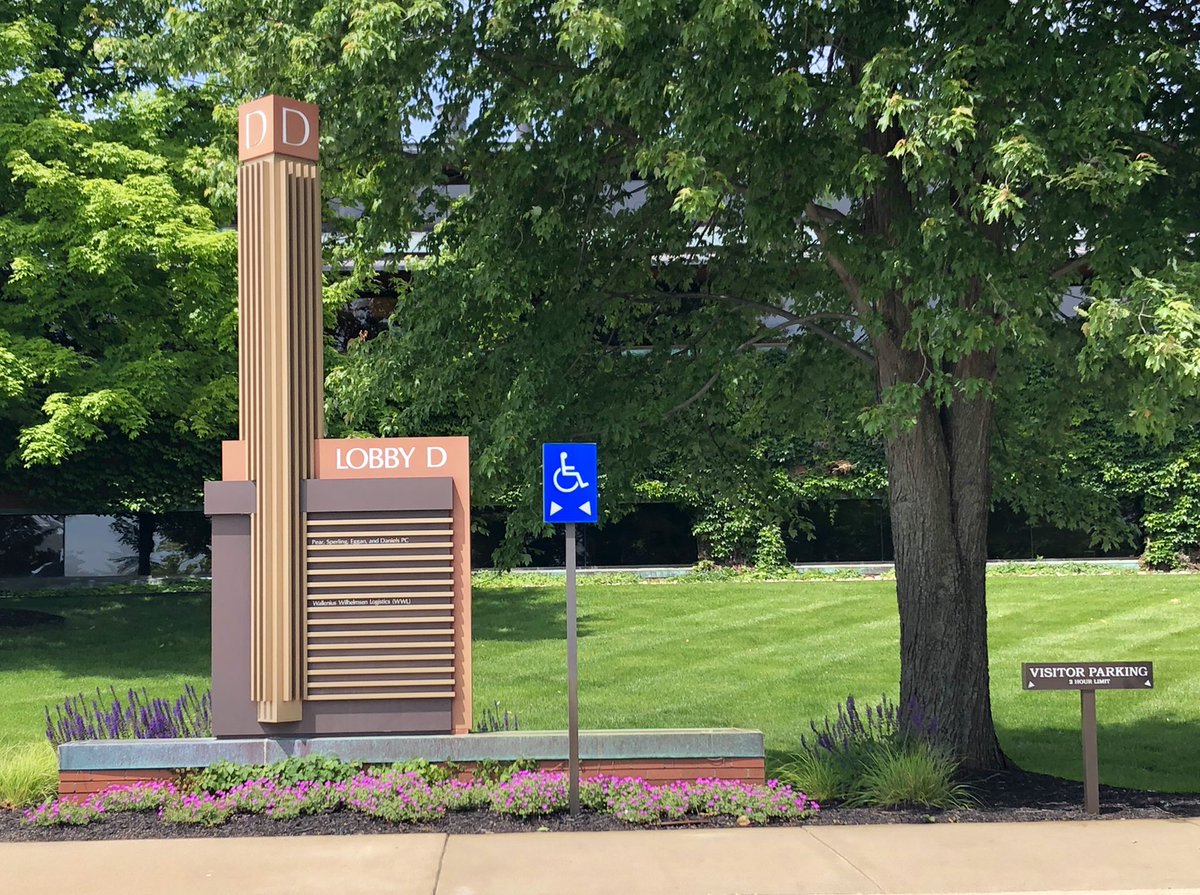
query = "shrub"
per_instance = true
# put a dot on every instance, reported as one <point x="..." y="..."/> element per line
<point x="140" y="796"/>
<point x="528" y="793"/>
<point x="733" y="798"/>
<point x="396" y="797"/>
<point x="222" y="776"/>
<point x="203" y="809"/>
<point x="491" y="770"/>
<point x="913" y="772"/>
<point x="62" y="813"/>
<point x="140" y="717"/>
<point x="770" y="554"/>
<point x="879" y="756"/>
<point x="427" y="770"/>
<point x="405" y="797"/>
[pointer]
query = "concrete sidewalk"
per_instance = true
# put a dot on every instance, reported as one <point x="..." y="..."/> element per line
<point x="1080" y="856"/>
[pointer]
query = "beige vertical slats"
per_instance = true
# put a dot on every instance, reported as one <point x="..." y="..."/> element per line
<point x="282" y="400"/>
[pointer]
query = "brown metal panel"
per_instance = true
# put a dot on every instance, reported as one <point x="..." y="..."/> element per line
<point x="377" y="495"/>
<point x="228" y="498"/>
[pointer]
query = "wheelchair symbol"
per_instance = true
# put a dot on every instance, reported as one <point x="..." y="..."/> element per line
<point x="567" y="472"/>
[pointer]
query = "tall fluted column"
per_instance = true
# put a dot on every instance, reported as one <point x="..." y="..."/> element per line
<point x="281" y="378"/>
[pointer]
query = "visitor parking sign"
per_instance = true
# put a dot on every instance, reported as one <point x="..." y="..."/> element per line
<point x="569" y="492"/>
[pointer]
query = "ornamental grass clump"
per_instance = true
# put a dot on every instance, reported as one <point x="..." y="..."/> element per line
<point x="531" y="793"/>
<point x="28" y="775"/>
<point x="138" y="717"/>
<point x="912" y="773"/>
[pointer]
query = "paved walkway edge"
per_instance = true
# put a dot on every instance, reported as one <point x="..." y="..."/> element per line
<point x="1118" y="857"/>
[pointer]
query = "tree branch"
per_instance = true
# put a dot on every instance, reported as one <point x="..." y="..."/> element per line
<point x="1074" y="265"/>
<point x="712" y="380"/>
<point x="853" y="348"/>
<point x="816" y="214"/>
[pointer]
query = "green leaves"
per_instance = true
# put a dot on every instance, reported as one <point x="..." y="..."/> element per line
<point x="117" y="291"/>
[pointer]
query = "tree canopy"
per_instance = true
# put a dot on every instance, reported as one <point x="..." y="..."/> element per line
<point x="117" y="310"/>
<point x="905" y="198"/>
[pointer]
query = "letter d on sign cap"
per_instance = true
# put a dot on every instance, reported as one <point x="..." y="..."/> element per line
<point x="277" y="125"/>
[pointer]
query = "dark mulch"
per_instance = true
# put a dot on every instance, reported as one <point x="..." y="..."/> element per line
<point x="1009" y="796"/>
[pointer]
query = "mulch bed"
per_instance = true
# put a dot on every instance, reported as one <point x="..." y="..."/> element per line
<point x="1008" y="796"/>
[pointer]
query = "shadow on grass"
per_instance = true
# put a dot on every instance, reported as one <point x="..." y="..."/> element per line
<point x="117" y="637"/>
<point x="1151" y="754"/>
<point x="523" y="614"/>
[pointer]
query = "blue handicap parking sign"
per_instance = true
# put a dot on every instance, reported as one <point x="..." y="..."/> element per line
<point x="569" y="483"/>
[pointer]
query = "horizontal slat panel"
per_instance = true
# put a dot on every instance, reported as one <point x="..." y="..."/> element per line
<point x="389" y="582"/>
<point x="345" y="634"/>
<point x="335" y="609"/>
<point x="387" y="570"/>
<point x="321" y="548"/>
<point x="331" y="697"/>
<point x="365" y="638"/>
<point x="415" y="557"/>
<point x="360" y="519"/>
<point x="378" y="682"/>
<point x="386" y="657"/>
<point x="448" y="590"/>
<point x="389" y="644"/>
<point x="439" y="671"/>
<point x="385" y="620"/>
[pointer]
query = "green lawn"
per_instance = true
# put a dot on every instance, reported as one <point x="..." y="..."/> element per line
<point x="765" y="655"/>
<point x="160" y="642"/>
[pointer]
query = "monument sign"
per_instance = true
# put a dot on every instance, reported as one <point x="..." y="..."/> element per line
<point x="341" y="568"/>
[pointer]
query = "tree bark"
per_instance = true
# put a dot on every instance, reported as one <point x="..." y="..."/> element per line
<point x="939" y="485"/>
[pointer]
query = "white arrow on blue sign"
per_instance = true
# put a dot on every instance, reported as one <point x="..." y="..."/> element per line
<point x="569" y="474"/>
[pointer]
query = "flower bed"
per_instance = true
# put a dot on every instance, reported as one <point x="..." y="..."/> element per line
<point x="403" y="796"/>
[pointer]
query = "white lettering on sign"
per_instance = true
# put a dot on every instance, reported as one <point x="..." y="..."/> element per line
<point x="387" y="458"/>
<point x="262" y="133"/>
<point x="1056" y="672"/>
<point x="287" y="127"/>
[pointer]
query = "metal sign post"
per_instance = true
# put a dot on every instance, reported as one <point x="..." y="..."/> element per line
<point x="570" y="495"/>
<point x="1087" y="678"/>
<point x="572" y="679"/>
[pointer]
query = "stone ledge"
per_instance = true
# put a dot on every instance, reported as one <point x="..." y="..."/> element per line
<point x="645" y="746"/>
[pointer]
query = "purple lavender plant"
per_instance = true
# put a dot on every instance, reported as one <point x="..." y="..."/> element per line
<point x="855" y="730"/>
<point x="138" y="717"/>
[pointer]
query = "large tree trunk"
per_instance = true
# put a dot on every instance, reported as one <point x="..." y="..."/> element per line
<point x="939" y="485"/>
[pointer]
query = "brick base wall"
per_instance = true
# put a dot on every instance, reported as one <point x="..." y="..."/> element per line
<point x="80" y="784"/>
<point x="77" y="785"/>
